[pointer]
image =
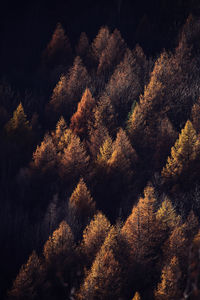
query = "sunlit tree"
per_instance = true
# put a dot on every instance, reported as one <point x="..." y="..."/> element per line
<point x="84" y="116"/>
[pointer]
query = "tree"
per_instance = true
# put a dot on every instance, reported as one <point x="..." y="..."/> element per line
<point x="144" y="233"/>
<point x="105" y="152"/>
<point x="183" y="154"/>
<point x="45" y="155"/>
<point x="100" y="42"/>
<point x="84" y="116"/>
<point x="137" y="296"/>
<point x="169" y="288"/>
<point x="94" y="236"/>
<point x="126" y="84"/>
<point x="166" y="215"/>
<point x="18" y="126"/>
<point x="28" y="280"/>
<point x="81" y="203"/>
<point x="112" y="53"/>
<point x="195" y="116"/>
<point x="82" y="46"/>
<point x="104" y="115"/>
<point x="73" y="160"/>
<point x="108" y="272"/>
<point x="68" y="91"/>
<point x="58" y="51"/>
<point x="60" y="261"/>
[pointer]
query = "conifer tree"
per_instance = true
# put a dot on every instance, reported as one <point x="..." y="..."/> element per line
<point x="45" y="155"/>
<point x="105" y="152"/>
<point x="109" y="269"/>
<point x="100" y="42"/>
<point x="60" y="262"/>
<point x="166" y="214"/>
<point x="104" y="115"/>
<point x="82" y="46"/>
<point x="58" y="51"/>
<point x="94" y="236"/>
<point x="18" y="126"/>
<point x="169" y="288"/>
<point x="84" y="116"/>
<point x="73" y="160"/>
<point x="142" y="229"/>
<point x="81" y="203"/>
<point x="112" y="53"/>
<point x="184" y="152"/>
<point x="137" y="296"/>
<point x="68" y="91"/>
<point x="195" y="116"/>
<point x="28" y="280"/>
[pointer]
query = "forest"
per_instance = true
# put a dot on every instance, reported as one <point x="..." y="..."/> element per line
<point x="100" y="166"/>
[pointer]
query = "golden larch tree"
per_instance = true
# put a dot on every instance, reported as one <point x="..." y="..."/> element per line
<point x="183" y="153"/>
<point x="169" y="288"/>
<point x="81" y="201"/>
<point x="84" y="116"/>
<point x="94" y="236"/>
<point x="29" y="278"/>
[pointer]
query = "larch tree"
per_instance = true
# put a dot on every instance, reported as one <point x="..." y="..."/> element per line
<point x="169" y="288"/>
<point x="142" y="229"/>
<point x="97" y="136"/>
<point x="183" y="154"/>
<point x="105" y="152"/>
<point x="68" y="91"/>
<point x="18" y="127"/>
<point x="108" y="271"/>
<point x="83" y="118"/>
<point x="82" y="46"/>
<point x="73" y="160"/>
<point x="112" y="53"/>
<point x="93" y="237"/>
<point x="99" y="43"/>
<point x="125" y="85"/>
<point x="45" y="155"/>
<point x="58" y="51"/>
<point x="81" y="203"/>
<point x="167" y="216"/>
<point x="104" y="114"/>
<point x="195" y="113"/>
<point x="30" y="277"/>
<point x="136" y="296"/>
<point x="60" y="260"/>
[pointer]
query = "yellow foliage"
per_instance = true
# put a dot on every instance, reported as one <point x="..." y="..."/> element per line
<point x="94" y="235"/>
<point x="167" y="215"/>
<point x="81" y="201"/>
<point x="105" y="151"/>
<point x="59" y="245"/>
<point x="137" y="296"/>
<point x="169" y="289"/>
<point x="185" y="150"/>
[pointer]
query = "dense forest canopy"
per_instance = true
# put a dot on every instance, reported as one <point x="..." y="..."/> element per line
<point x="100" y="150"/>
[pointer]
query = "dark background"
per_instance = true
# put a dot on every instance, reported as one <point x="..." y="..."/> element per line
<point x="26" y="27"/>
